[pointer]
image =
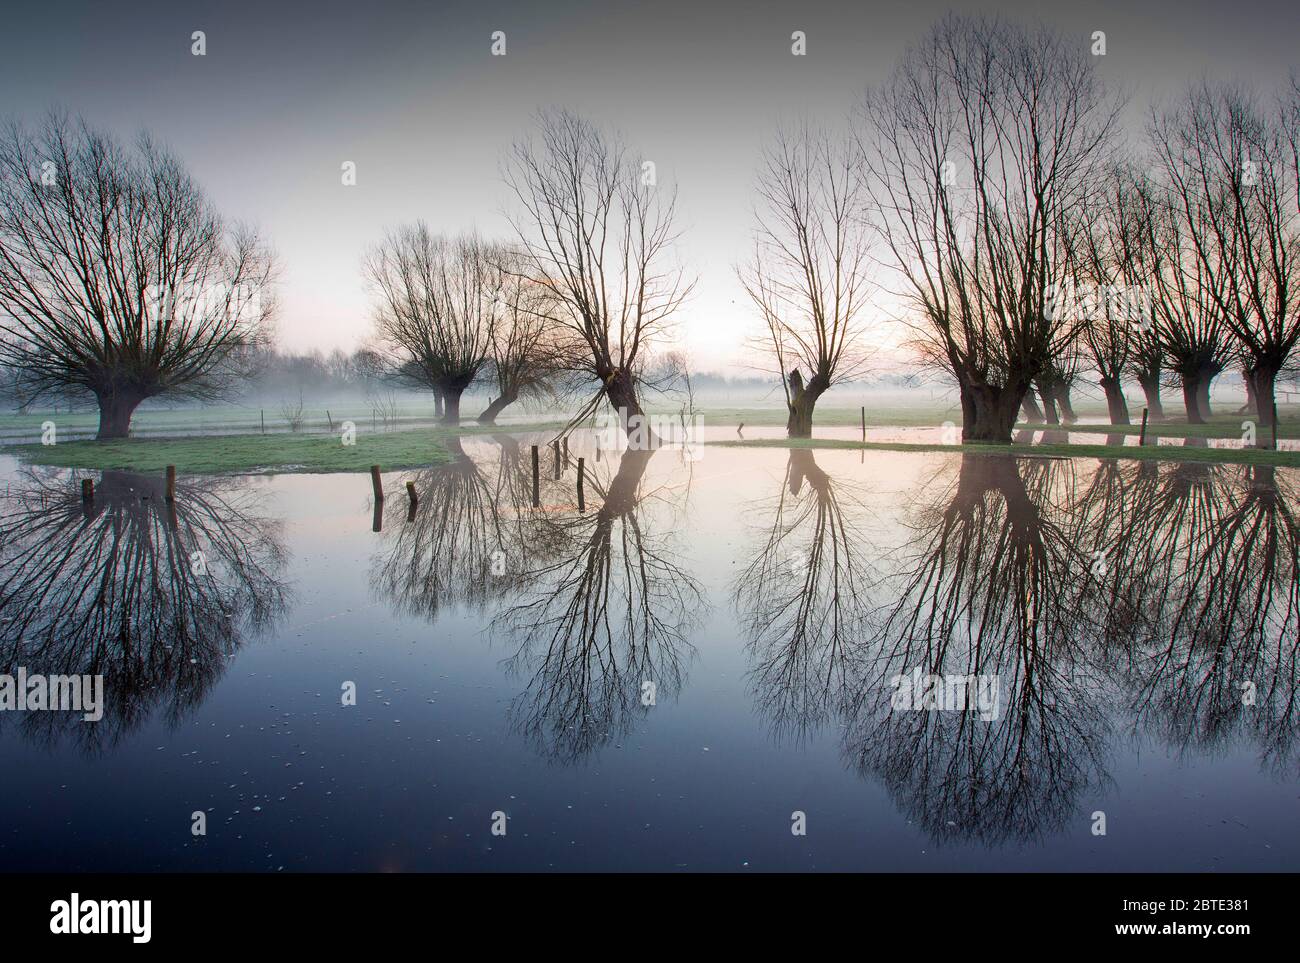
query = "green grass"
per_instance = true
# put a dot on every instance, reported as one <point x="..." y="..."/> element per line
<point x="391" y="450"/>
<point x="1226" y="456"/>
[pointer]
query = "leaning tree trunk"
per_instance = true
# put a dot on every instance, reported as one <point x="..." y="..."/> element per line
<point x="1115" y="402"/>
<point x="115" y="411"/>
<point x="1033" y="413"/>
<point x="1151" y="388"/>
<point x="803" y="400"/>
<point x="1049" y="406"/>
<point x="620" y="389"/>
<point x="1063" y="403"/>
<point x="494" y="408"/>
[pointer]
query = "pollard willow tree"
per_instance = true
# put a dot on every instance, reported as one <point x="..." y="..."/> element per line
<point x="597" y="230"/>
<point x="809" y="274"/>
<point x="1230" y="162"/>
<point x="1108" y="254"/>
<point x="977" y="147"/>
<point x="118" y="279"/>
<point x="1185" y="316"/>
<point x="436" y="308"/>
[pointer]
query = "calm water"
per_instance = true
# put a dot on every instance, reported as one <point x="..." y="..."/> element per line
<point x="500" y="655"/>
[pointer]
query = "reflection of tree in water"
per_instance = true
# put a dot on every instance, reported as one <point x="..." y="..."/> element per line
<point x="602" y="611"/>
<point x="154" y="596"/>
<point x="803" y="597"/>
<point x="1208" y="556"/>
<point x="469" y="518"/>
<point x="1177" y="581"/>
<point x="990" y="584"/>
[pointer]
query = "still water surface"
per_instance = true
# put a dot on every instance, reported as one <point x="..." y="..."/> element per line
<point x="501" y="652"/>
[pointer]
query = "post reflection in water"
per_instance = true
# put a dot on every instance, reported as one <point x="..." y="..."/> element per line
<point x="590" y="604"/>
<point x="153" y="595"/>
<point x="464" y="543"/>
<point x="1095" y="594"/>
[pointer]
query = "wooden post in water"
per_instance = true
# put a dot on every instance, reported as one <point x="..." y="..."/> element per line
<point x="582" y="467"/>
<point x="262" y="412"/>
<point x="377" y="483"/>
<point x="537" y="499"/>
<point x="556" y="446"/>
<point x="87" y="490"/>
<point x="414" y="499"/>
<point x="329" y="418"/>
<point x="864" y="424"/>
<point x="171" y="483"/>
<point x="1142" y="437"/>
<point x="566" y="451"/>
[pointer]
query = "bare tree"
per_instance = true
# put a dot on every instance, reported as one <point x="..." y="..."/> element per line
<point x="1229" y="163"/>
<point x="1186" y="318"/>
<point x="598" y="231"/>
<point x="808" y="277"/>
<point x="118" y="279"/>
<point x="983" y="139"/>
<point x="436" y="309"/>
<point x="1109" y="261"/>
<point x="524" y="349"/>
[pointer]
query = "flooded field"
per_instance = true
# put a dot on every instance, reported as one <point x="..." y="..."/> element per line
<point x="665" y="678"/>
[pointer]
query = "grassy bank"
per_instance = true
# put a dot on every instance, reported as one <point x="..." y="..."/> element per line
<point x="411" y="448"/>
<point x="1222" y="456"/>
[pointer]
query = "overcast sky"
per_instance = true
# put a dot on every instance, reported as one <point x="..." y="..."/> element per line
<point x="410" y="92"/>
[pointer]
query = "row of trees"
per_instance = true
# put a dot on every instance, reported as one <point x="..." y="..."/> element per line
<point x="989" y="177"/>
<point x="986" y="185"/>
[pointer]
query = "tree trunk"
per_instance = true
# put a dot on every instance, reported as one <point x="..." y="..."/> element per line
<point x="620" y="389"/>
<point x="451" y="406"/>
<point x="1049" y="406"/>
<point x="1194" y="416"/>
<point x="803" y="400"/>
<point x="439" y="406"/>
<point x="994" y="410"/>
<point x="1264" y="377"/>
<point x="115" y="413"/>
<point x="1203" y="393"/>
<point x="1251" y="407"/>
<point x="1115" y="402"/>
<point x="489" y="415"/>
<point x="1033" y="413"/>
<point x="1151" y="388"/>
<point x="1063" y="403"/>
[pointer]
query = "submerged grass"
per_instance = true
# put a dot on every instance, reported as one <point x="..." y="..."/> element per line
<point x="1227" y="456"/>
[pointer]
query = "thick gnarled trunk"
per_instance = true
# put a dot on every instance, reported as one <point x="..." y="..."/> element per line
<point x="1116" y="405"/>
<point x="115" y="411"/>
<point x="1151" y="389"/>
<point x="803" y="401"/>
<point x="451" y="406"/>
<point x="990" y="413"/>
